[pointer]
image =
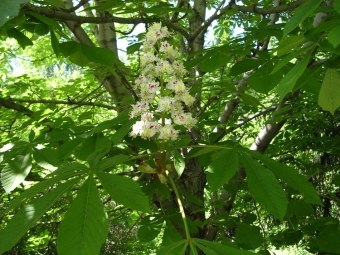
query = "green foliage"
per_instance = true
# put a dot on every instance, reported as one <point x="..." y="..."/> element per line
<point x="29" y="214"/>
<point x="124" y="191"/>
<point x="73" y="179"/>
<point x="9" y="9"/>
<point x="329" y="97"/>
<point x="265" y="188"/>
<point x="85" y="225"/>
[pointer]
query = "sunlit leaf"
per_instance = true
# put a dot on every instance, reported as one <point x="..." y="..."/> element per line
<point x="15" y="172"/>
<point x="179" y="163"/>
<point x="85" y="225"/>
<point x="329" y="96"/>
<point x="288" y="81"/>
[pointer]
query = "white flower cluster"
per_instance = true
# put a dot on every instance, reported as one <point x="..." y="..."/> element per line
<point x="161" y="88"/>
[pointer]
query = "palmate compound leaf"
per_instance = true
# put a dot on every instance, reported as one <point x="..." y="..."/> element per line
<point x="222" y="169"/>
<point x="292" y="177"/>
<point x="329" y="96"/>
<point x="220" y="248"/>
<point x="124" y="191"/>
<point x="16" y="171"/>
<point x="265" y="187"/>
<point x="29" y="214"/>
<point x="85" y="225"/>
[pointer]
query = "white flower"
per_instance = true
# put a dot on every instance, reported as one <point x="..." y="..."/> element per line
<point x="139" y="108"/>
<point x="149" y="129"/>
<point x="163" y="67"/>
<point x="169" y="51"/>
<point x="165" y="104"/>
<point x="184" y="119"/>
<point x="137" y="129"/>
<point x="147" y="59"/>
<point x="185" y="97"/>
<point x="168" y="132"/>
<point x="179" y="68"/>
<point x="143" y="79"/>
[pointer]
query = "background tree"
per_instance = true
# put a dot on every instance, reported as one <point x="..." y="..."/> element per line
<point x="259" y="170"/>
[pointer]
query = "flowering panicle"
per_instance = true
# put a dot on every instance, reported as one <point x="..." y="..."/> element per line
<point x="162" y="91"/>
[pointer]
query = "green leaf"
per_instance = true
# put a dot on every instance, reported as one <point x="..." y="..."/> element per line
<point x="179" y="163"/>
<point x="214" y="61"/>
<point x="300" y="14"/>
<point x="85" y="225"/>
<point x="133" y="48"/>
<point x="150" y="227"/>
<point x="46" y="158"/>
<point x="248" y="237"/>
<point x="94" y="158"/>
<point x="288" y="81"/>
<point x="265" y="188"/>
<point x="124" y="191"/>
<point x="9" y="9"/>
<point x="328" y="239"/>
<point x="171" y="234"/>
<point x="103" y="56"/>
<point x="44" y="19"/>
<point x="288" y="44"/>
<point x="86" y="148"/>
<point x="29" y="214"/>
<point x="333" y="36"/>
<point x="109" y="124"/>
<point x="68" y="147"/>
<point x="292" y="178"/>
<point x="286" y="59"/>
<point x="203" y="248"/>
<point x="336" y="6"/>
<point x="222" y="169"/>
<point x="245" y="65"/>
<point x="22" y="39"/>
<point x="15" y="172"/>
<point x="329" y="96"/>
<point x="262" y="80"/>
<point x="174" y="248"/>
<point x="73" y="167"/>
<point x="38" y="188"/>
<point x="123" y="131"/>
<point x="109" y="163"/>
<point x="250" y="100"/>
<point x="220" y="248"/>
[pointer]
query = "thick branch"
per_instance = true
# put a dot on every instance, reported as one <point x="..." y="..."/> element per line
<point x="13" y="106"/>
<point x="65" y="16"/>
<point x="67" y="102"/>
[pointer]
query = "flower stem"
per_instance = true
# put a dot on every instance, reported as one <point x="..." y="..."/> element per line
<point x="180" y="205"/>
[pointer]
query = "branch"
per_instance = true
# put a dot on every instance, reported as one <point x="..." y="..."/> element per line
<point x="45" y="101"/>
<point x="13" y="106"/>
<point x="64" y="16"/>
<point x="250" y="9"/>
